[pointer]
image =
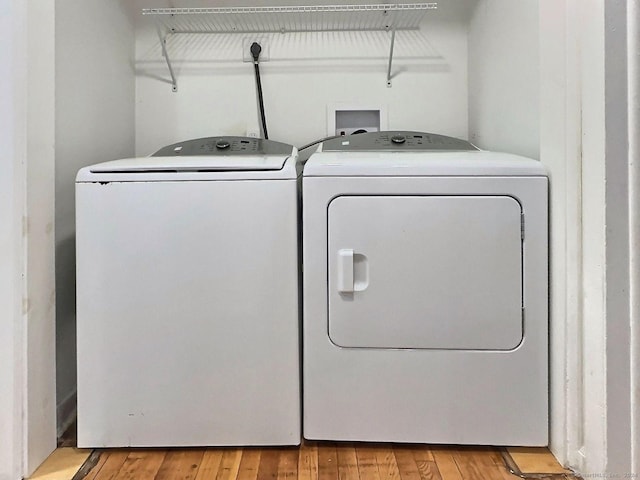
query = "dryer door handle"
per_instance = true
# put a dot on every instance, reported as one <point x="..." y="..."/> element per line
<point x="345" y="270"/>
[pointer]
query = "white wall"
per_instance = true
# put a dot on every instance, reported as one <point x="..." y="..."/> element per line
<point x="306" y="73"/>
<point x="27" y="285"/>
<point x="95" y="101"/>
<point x="593" y="236"/>
<point x="12" y="72"/>
<point x="573" y="140"/>
<point x="633" y="76"/>
<point x="38" y="304"/>
<point x="560" y="151"/>
<point x="619" y="383"/>
<point x="504" y="76"/>
<point x="592" y="210"/>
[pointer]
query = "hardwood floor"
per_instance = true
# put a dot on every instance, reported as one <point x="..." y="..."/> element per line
<point x="311" y="461"/>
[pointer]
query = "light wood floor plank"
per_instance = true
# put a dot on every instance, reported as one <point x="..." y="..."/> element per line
<point x="428" y="470"/>
<point x="422" y="453"/>
<point x="327" y="462"/>
<point x="367" y="463"/>
<point x="446" y="464"/>
<point x="535" y="460"/>
<point x="506" y="474"/>
<point x="308" y="462"/>
<point x="102" y="459"/>
<point x="288" y="464"/>
<point x="269" y="460"/>
<point x="407" y="465"/>
<point x="108" y="470"/>
<point x="249" y="464"/>
<point x="62" y="463"/>
<point x="496" y="456"/>
<point x="180" y="464"/>
<point x="425" y="462"/>
<point x="474" y="456"/>
<point x="347" y="462"/>
<point x="209" y="465"/>
<point x="230" y="464"/>
<point x="476" y="462"/>
<point x="141" y="465"/>
<point x="311" y="461"/>
<point x="387" y="463"/>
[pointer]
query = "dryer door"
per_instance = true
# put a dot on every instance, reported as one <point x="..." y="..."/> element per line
<point x="430" y="272"/>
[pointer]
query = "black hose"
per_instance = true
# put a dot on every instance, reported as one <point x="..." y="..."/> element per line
<point x="261" y="102"/>
<point x="316" y="142"/>
<point x="255" y="52"/>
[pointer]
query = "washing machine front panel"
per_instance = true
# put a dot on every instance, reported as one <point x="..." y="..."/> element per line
<point x="425" y="272"/>
<point x="187" y="313"/>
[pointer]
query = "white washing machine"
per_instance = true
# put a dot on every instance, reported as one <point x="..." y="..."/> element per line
<point x="188" y="297"/>
<point x="425" y="293"/>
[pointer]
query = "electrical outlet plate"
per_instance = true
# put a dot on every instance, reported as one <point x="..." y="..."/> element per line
<point x="246" y="49"/>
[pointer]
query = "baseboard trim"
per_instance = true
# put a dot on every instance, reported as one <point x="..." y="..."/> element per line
<point x="66" y="412"/>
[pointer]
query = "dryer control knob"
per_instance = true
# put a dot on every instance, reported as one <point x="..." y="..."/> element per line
<point x="398" y="139"/>
<point x="222" y="144"/>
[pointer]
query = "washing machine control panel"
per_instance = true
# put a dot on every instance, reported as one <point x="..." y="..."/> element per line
<point x="396" y="141"/>
<point x="225" y="146"/>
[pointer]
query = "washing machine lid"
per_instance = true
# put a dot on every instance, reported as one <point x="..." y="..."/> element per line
<point x="214" y="158"/>
<point x="420" y="163"/>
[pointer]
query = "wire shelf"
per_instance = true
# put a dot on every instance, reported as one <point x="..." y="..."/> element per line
<point x="319" y="18"/>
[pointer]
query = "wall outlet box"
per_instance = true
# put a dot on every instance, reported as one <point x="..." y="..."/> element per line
<point x="246" y="48"/>
<point x="345" y="119"/>
<point x="351" y="130"/>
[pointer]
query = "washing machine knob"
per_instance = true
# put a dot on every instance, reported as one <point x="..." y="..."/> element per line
<point x="398" y="139"/>
<point x="222" y="144"/>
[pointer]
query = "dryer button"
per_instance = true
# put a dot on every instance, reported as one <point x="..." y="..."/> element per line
<point x="222" y="144"/>
<point x="398" y="139"/>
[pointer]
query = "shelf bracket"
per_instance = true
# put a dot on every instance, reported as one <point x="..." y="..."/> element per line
<point x="163" y="44"/>
<point x="393" y="39"/>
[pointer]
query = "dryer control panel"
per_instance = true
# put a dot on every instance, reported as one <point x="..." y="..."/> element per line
<point x="225" y="146"/>
<point x="396" y="141"/>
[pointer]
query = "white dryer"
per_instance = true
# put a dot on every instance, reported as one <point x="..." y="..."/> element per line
<point x="187" y="297"/>
<point x="425" y="293"/>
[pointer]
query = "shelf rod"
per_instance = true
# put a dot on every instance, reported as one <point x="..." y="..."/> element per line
<point x="393" y="39"/>
<point x="163" y="44"/>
